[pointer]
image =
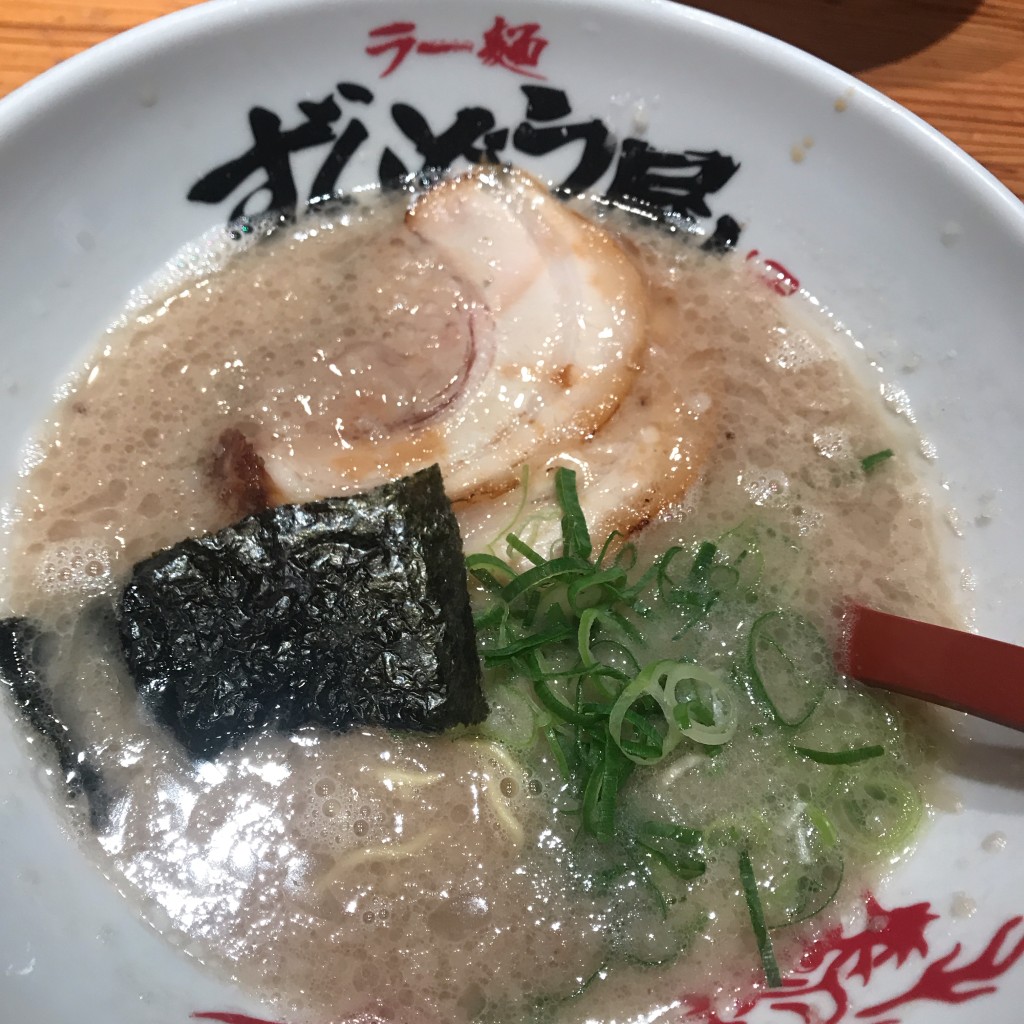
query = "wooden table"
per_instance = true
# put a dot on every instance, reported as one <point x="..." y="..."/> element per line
<point x="959" y="64"/>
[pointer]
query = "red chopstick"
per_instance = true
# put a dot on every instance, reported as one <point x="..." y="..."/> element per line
<point x="945" y="666"/>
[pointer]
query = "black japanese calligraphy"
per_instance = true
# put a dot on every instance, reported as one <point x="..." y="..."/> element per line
<point x="546" y="105"/>
<point x="270" y="154"/>
<point x="678" y="183"/>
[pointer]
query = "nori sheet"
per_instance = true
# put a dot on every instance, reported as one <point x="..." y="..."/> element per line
<point x="341" y="612"/>
<point x="23" y="663"/>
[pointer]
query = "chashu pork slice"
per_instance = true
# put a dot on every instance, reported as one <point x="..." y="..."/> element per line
<point x="557" y="323"/>
<point x="640" y="464"/>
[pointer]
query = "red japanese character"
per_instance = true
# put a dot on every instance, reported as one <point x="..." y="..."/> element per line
<point x="444" y="46"/>
<point x="402" y="44"/>
<point x="775" y="275"/>
<point x="515" y="47"/>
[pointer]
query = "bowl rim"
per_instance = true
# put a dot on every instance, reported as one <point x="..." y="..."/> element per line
<point x="113" y="59"/>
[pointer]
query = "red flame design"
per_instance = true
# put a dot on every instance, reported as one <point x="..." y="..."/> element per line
<point x="819" y="990"/>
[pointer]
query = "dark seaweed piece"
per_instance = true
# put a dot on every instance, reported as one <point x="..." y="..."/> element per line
<point x="22" y="667"/>
<point x="341" y="612"/>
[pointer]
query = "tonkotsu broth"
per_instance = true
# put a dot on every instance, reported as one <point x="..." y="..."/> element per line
<point x="419" y="877"/>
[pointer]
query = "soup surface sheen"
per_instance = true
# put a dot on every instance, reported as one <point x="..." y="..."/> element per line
<point x="426" y="878"/>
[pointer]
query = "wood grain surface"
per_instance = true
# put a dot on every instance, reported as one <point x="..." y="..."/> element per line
<point x="959" y="64"/>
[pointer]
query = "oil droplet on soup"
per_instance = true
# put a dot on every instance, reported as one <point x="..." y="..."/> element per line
<point x="428" y="878"/>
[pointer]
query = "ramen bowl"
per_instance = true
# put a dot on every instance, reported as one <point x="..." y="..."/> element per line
<point x="888" y="234"/>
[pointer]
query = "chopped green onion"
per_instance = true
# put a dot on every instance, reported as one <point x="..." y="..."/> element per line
<point x="483" y="567"/>
<point x="605" y="581"/>
<point x="587" y="620"/>
<point x="602" y="790"/>
<point x="869" y="462"/>
<point x="849" y="719"/>
<point x="703" y="560"/>
<point x="526" y="643"/>
<point x="676" y="847"/>
<point x="625" y="625"/>
<point x="558" y="752"/>
<point x="613" y="651"/>
<point x="559" y="708"/>
<point x="647" y="684"/>
<point x="524" y="549"/>
<point x="545" y="573"/>
<point x="653" y="572"/>
<point x="524" y="497"/>
<point x="495" y="616"/>
<point x="741" y="548"/>
<point x="824" y="827"/>
<point x="575" y="535"/>
<point x="713" y="710"/>
<point x="564" y="643"/>
<point x="756" y="911"/>
<point x="805" y="893"/>
<point x="608" y="541"/>
<point x="649" y="744"/>
<point x="661" y="681"/>
<point x="880" y="810"/>
<point x="790" y="663"/>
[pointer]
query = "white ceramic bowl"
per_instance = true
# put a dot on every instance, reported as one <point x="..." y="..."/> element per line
<point x="914" y="248"/>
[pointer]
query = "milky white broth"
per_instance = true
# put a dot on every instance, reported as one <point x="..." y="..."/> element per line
<point x="419" y="877"/>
